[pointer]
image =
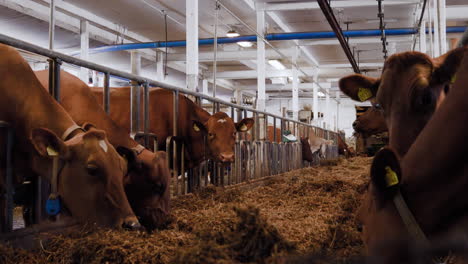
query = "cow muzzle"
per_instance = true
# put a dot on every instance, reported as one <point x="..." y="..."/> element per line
<point x="131" y="223"/>
<point x="226" y="157"/>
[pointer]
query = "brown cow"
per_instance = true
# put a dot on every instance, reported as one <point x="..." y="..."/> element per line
<point x="90" y="174"/>
<point x="371" y="122"/>
<point x="343" y="147"/>
<point x="147" y="187"/>
<point x="432" y="178"/>
<point x="306" y="150"/>
<point x="411" y="87"/>
<point x="194" y="124"/>
<point x="271" y="135"/>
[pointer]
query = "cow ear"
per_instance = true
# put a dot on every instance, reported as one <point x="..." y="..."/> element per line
<point x="447" y="65"/>
<point x="359" y="87"/>
<point x="47" y="144"/>
<point x="244" y="125"/>
<point x="385" y="174"/>
<point x="198" y="126"/>
<point x="130" y="156"/>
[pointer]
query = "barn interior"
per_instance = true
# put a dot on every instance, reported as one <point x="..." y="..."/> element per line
<point x="291" y="187"/>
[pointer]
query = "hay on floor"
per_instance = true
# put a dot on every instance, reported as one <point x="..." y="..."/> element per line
<point x="308" y="211"/>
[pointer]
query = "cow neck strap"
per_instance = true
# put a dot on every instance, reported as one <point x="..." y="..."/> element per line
<point x="138" y="149"/>
<point x="70" y="131"/>
<point x="412" y="225"/>
<point x="408" y="219"/>
<point x="55" y="161"/>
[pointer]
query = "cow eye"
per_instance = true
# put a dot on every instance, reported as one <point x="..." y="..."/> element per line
<point x="424" y="101"/>
<point x="378" y="106"/>
<point x="211" y="135"/>
<point x="158" y="188"/>
<point x="446" y="88"/>
<point x="92" y="170"/>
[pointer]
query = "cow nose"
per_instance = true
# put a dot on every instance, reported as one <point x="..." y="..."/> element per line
<point x="131" y="223"/>
<point x="355" y="123"/>
<point x="227" y="157"/>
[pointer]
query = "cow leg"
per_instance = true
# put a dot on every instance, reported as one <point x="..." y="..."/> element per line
<point x="190" y="180"/>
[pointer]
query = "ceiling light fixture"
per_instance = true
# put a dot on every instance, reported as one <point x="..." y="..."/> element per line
<point x="320" y="94"/>
<point x="232" y="34"/>
<point x="276" y="64"/>
<point x="245" y="44"/>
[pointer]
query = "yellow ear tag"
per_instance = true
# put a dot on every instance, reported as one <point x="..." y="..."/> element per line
<point x="51" y="152"/>
<point x="196" y="128"/>
<point x="364" y="94"/>
<point x="390" y="177"/>
<point x="243" y="128"/>
<point x="454" y="78"/>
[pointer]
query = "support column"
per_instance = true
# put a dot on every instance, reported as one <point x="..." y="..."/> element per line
<point x="338" y="102"/>
<point x="430" y="26"/>
<point x="422" y="37"/>
<point x="261" y="62"/>
<point x="261" y="96"/>
<point x="135" y="59"/>
<point x="442" y="26"/>
<point x="326" y="112"/>
<point x="160" y="74"/>
<point x="192" y="43"/>
<point x="295" y="84"/>
<point x="84" y="48"/>
<point x="315" y="107"/>
<point x="436" y="28"/>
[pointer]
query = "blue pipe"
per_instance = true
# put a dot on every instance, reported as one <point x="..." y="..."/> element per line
<point x="272" y="37"/>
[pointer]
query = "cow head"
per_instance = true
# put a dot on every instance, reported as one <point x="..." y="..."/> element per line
<point x="371" y="122"/>
<point x="90" y="181"/>
<point x="221" y="131"/>
<point x="148" y="187"/>
<point x="411" y="87"/>
<point x="306" y="150"/>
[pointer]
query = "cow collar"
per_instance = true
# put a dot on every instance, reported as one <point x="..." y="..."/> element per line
<point x="412" y="226"/>
<point x="53" y="204"/>
<point x="138" y="149"/>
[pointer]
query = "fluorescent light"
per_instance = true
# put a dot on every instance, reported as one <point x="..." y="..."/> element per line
<point x="232" y="34"/>
<point x="320" y="94"/>
<point x="245" y="44"/>
<point x="278" y="80"/>
<point x="276" y="64"/>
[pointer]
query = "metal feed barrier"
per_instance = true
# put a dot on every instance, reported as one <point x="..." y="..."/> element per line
<point x="255" y="157"/>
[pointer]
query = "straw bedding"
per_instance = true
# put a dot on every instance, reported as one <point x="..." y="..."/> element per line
<point x="308" y="211"/>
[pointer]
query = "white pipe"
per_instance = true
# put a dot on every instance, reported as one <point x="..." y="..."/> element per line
<point x="442" y="24"/>
<point x="422" y="37"/>
<point x="261" y="62"/>
<point x="327" y="107"/>
<point x="295" y="84"/>
<point x="337" y="111"/>
<point x="84" y="48"/>
<point x="436" y="28"/>
<point x="215" y="48"/>
<point x="192" y="43"/>
<point x="160" y="66"/>
<point x="52" y="25"/>
<point x="315" y="104"/>
<point x="430" y="27"/>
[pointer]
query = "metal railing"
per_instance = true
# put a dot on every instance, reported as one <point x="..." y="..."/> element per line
<point x="254" y="158"/>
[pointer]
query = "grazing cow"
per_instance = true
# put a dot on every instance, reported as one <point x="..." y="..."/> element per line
<point x="371" y="122"/>
<point x="307" y="154"/>
<point x="271" y="135"/>
<point x="343" y="147"/>
<point x="89" y="171"/>
<point x="147" y="186"/>
<point x="411" y="87"/>
<point x="194" y="124"/>
<point x="433" y="186"/>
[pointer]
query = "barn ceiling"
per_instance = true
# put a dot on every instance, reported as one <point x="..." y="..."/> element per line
<point x="143" y="20"/>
